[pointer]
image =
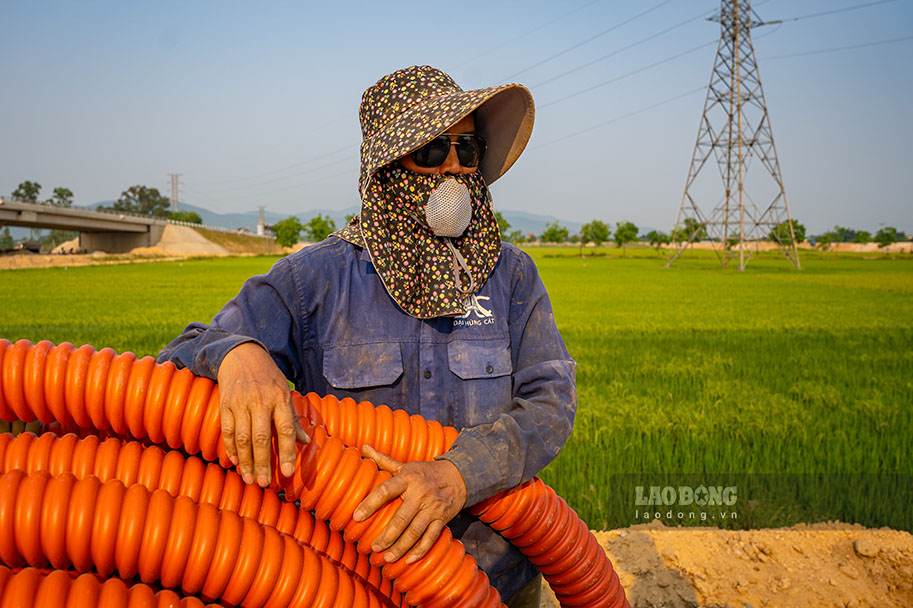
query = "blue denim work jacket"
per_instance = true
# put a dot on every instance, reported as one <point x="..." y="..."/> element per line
<point x="501" y="373"/>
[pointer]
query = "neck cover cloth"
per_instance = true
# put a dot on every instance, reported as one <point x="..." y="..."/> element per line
<point x="427" y="275"/>
<point x="414" y="226"/>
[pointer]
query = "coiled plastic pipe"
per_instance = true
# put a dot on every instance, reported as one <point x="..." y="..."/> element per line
<point x="532" y="516"/>
<point x="179" y="475"/>
<point x="103" y="527"/>
<point x="140" y="398"/>
<point x="31" y="587"/>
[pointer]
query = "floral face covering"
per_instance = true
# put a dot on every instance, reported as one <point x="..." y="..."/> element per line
<point x="427" y="275"/>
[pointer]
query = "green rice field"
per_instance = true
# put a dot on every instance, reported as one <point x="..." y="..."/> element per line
<point x="788" y="393"/>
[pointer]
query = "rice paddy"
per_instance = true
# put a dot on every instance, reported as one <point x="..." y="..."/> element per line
<point x="792" y="389"/>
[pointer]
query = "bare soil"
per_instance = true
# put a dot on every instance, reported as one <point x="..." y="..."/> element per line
<point x="807" y="565"/>
<point x="177" y="243"/>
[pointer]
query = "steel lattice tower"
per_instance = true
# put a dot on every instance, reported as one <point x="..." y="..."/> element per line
<point x="734" y="129"/>
<point x="175" y="185"/>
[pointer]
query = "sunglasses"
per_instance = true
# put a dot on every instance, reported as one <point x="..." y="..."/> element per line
<point x="470" y="150"/>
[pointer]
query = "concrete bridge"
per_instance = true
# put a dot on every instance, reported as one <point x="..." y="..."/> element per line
<point x="98" y="230"/>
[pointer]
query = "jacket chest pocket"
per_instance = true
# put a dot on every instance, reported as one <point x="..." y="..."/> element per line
<point x="360" y="366"/>
<point x="481" y="386"/>
<point x="478" y="359"/>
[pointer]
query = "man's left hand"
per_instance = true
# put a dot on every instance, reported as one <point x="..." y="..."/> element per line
<point x="432" y="492"/>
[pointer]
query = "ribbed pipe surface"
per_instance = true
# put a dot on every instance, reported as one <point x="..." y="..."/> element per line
<point x="145" y="400"/>
<point x="31" y="587"/>
<point x="89" y="526"/>
<point x="130" y="462"/>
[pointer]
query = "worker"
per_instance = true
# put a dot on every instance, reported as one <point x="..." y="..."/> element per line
<point x="416" y="304"/>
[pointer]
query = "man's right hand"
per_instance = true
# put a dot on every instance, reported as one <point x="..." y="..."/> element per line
<point x="253" y="397"/>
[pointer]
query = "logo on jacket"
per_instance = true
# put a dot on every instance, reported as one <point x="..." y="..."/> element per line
<point x="476" y="313"/>
<point x="475" y="306"/>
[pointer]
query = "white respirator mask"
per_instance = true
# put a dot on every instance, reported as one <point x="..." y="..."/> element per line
<point x="448" y="212"/>
<point x="449" y="209"/>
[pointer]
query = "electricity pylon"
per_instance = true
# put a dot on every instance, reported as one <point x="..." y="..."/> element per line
<point x="175" y="185"/>
<point x="735" y="128"/>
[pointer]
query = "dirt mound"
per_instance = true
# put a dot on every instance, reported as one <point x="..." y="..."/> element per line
<point x="812" y="566"/>
<point x="182" y="240"/>
<point x="177" y="242"/>
<point x="242" y="244"/>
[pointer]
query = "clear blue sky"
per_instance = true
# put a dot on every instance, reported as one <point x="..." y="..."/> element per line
<point x="256" y="104"/>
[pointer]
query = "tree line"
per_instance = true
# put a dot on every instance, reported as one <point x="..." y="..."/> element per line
<point x="884" y="237"/>
<point x="288" y="231"/>
<point x="142" y="200"/>
<point x="598" y="232"/>
<point x="135" y="200"/>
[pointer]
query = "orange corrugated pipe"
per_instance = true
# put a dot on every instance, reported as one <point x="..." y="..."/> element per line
<point x="142" y="399"/>
<point x="90" y="526"/>
<point x="179" y="475"/>
<point x="532" y="516"/>
<point x="32" y="587"/>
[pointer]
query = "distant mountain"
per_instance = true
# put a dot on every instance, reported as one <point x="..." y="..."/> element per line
<point x="519" y="220"/>
<point x="523" y="221"/>
<point x="248" y="219"/>
<point x="527" y="222"/>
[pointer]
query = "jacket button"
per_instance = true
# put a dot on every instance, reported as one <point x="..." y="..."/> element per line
<point x="427" y="373"/>
<point x="489" y="369"/>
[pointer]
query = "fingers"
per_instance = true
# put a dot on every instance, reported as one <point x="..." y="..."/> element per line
<point x="432" y="493"/>
<point x="228" y="432"/>
<point x="411" y="527"/>
<point x="383" y="462"/>
<point x="261" y="433"/>
<point x="254" y="397"/>
<point x="432" y="532"/>
<point x="300" y="434"/>
<point x="381" y="495"/>
<point x="404" y="528"/>
<point x="242" y="443"/>
<point x="287" y="428"/>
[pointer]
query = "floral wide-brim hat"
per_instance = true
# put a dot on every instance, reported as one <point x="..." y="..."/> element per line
<point x="408" y="108"/>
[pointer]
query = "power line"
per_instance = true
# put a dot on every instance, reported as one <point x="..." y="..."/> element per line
<point x="626" y="75"/>
<point x="225" y="186"/>
<point x="840" y="48"/>
<point x="526" y="33"/>
<point x="831" y="12"/>
<point x="625" y="48"/>
<point x="588" y="89"/>
<point x="272" y="145"/>
<point x="299" y="185"/>
<point x="321" y="156"/>
<point x="604" y="123"/>
<point x="257" y="182"/>
<point x="216" y="188"/>
<point x="352" y="146"/>
<point x="261" y="183"/>
<point x="642" y="69"/>
<point x="590" y="39"/>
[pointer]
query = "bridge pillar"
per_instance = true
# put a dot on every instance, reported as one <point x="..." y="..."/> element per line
<point x="120" y="242"/>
